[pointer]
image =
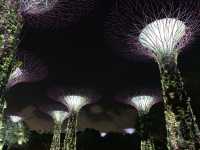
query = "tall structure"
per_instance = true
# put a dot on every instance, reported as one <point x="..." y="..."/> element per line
<point x="143" y="104"/>
<point x="163" y="38"/>
<point x="58" y="116"/>
<point x="16" y="132"/>
<point x="10" y="27"/>
<point x="74" y="102"/>
<point x="161" y="31"/>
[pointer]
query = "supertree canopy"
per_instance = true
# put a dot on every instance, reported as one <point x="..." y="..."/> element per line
<point x="28" y="69"/>
<point x="163" y="36"/>
<point x="143" y="104"/>
<point x="160" y="31"/>
<point x="36" y="6"/>
<point x="74" y="101"/>
<point x="16" y="132"/>
<point x="58" y="116"/>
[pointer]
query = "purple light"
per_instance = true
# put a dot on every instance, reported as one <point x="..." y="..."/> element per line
<point x="129" y="130"/>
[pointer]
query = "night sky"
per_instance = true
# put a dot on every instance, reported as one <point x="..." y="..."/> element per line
<point x="78" y="54"/>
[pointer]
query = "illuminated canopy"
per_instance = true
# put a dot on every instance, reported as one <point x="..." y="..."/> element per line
<point x="36" y="6"/>
<point x="59" y="116"/>
<point x="15" y="74"/>
<point x="15" y="119"/>
<point x="162" y="36"/>
<point x="143" y="103"/>
<point x="75" y="103"/>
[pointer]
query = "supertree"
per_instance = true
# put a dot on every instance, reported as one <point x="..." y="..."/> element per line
<point x="160" y="31"/>
<point x="16" y="131"/>
<point x="11" y="23"/>
<point x="143" y="104"/>
<point x="58" y="113"/>
<point x="142" y="100"/>
<point x="54" y="13"/>
<point x="74" y="101"/>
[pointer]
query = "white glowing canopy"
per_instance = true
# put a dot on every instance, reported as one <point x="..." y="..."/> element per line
<point x="15" y="119"/>
<point x="58" y="115"/>
<point x="143" y="103"/>
<point x="162" y="36"/>
<point x="75" y="103"/>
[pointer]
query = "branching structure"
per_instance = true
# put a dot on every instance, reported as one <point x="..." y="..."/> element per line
<point x="168" y="33"/>
<point x="143" y="105"/>
<point x="74" y="102"/>
<point x="16" y="131"/>
<point x="58" y="117"/>
<point x="29" y="69"/>
<point x="161" y="31"/>
<point x="54" y="13"/>
<point x="36" y="6"/>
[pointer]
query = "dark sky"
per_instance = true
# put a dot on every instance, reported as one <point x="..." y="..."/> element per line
<point x="79" y="55"/>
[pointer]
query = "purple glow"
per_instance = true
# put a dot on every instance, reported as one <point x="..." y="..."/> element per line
<point x="130" y="17"/>
<point x="129" y="130"/>
<point x="73" y="99"/>
<point x="36" y="6"/>
<point x="31" y="70"/>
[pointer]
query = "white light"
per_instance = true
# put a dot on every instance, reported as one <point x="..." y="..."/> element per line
<point x="59" y="116"/>
<point x="162" y="36"/>
<point x="143" y="103"/>
<point x="15" y="119"/>
<point x="15" y="77"/>
<point x="129" y="130"/>
<point x="75" y="103"/>
<point x="103" y="134"/>
<point x="20" y="141"/>
<point x="15" y="74"/>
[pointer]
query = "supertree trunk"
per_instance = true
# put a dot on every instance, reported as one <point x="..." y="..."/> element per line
<point x="180" y="121"/>
<point x="70" y="136"/>
<point x="55" y="144"/>
<point x="10" y="25"/>
<point x="144" y="130"/>
<point x="147" y="144"/>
